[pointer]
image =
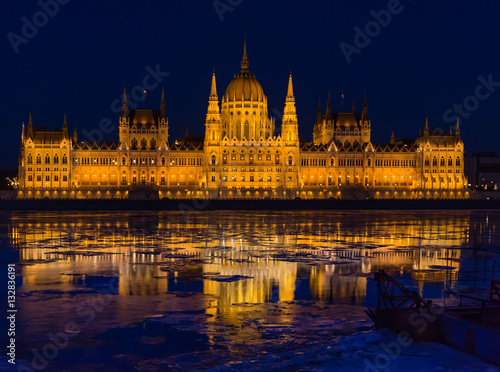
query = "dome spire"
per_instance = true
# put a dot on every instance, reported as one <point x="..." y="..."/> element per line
<point x="244" y="60"/>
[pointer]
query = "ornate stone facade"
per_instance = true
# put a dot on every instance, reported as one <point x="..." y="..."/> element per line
<point x="241" y="156"/>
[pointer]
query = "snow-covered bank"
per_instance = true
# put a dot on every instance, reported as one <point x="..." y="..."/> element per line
<point x="370" y="351"/>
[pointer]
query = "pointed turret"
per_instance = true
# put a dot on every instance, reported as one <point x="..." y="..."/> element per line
<point x="426" y="130"/>
<point x="318" y="114"/>
<point x="213" y="89"/>
<point x="162" y="107"/>
<point x="65" y="127"/>
<point x="393" y="139"/>
<point x="290" y="87"/>
<point x="124" y="105"/>
<point x="244" y="59"/>
<point x="212" y="123"/>
<point x="457" y="128"/>
<point x="364" y="115"/>
<point x="329" y="108"/>
<point x="75" y="136"/>
<point x="289" y="129"/>
<point x="30" y="128"/>
<point x="353" y="106"/>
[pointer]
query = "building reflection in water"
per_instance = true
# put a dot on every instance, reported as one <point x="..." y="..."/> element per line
<point x="325" y="256"/>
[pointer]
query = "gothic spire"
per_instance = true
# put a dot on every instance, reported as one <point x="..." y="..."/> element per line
<point x="290" y="87"/>
<point x="75" y="136"/>
<point x="65" y="127"/>
<point x="318" y="114"/>
<point x="162" y="107"/>
<point x="329" y="108"/>
<point x="457" y="128"/>
<point x="30" y="128"/>
<point x="244" y="60"/>
<point x="364" y="115"/>
<point x="124" y="105"/>
<point x="426" y="130"/>
<point x="393" y="139"/>
<point x="213" y="88"/>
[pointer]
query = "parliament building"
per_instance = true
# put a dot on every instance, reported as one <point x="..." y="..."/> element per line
<point x="241" y="156"/>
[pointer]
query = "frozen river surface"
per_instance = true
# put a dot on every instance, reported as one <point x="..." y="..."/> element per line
<point x="153" y="291"/>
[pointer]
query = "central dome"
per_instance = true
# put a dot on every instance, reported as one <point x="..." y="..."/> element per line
<point x="244" y="86"/>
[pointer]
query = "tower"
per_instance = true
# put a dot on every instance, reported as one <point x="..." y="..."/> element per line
<point x="290" y="140"/>
<point x="124" y="120"/>
<point x="289" y="130"/>
<point x="212" y="123"/>
<point x="163" y="121"/>
<point x="212" y="138"/>
<point x="365" y="123"/>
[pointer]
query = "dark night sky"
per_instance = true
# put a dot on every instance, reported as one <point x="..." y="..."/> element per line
<point x="427" y="58"/>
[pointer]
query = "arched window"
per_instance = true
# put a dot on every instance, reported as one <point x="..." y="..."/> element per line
<point x="442" y="161"/>
<point x="426" y="161"/>
<point x="56" y="159"/>
<point x="277" y="159"/>
<point x="47" y="159"/>
<point x="450" y="162"/>
<point x="290" y="160"/>
<point x="213" y="159"/>
<point x="124" y="160"/>
<point x="39" y="159"/>
<point x="144" y="143"/>
<point x="458" y="162"/>
<point x="152" y="144"/>
<point x="133" y="144"/>
<point x="434" y="161"/>
<point x="369" y="162"/>
<point x="30" y="159"/>
<point x="163" y="161"/>
<point x="65" y="159"/>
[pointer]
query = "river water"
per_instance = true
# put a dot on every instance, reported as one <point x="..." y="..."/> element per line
<point x="168" y="290"/>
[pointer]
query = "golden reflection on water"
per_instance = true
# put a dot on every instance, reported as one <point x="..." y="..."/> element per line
<point x="325" y="256"/>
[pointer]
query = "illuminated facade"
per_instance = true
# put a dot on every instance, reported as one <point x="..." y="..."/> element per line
<point x="241" y="156"/>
